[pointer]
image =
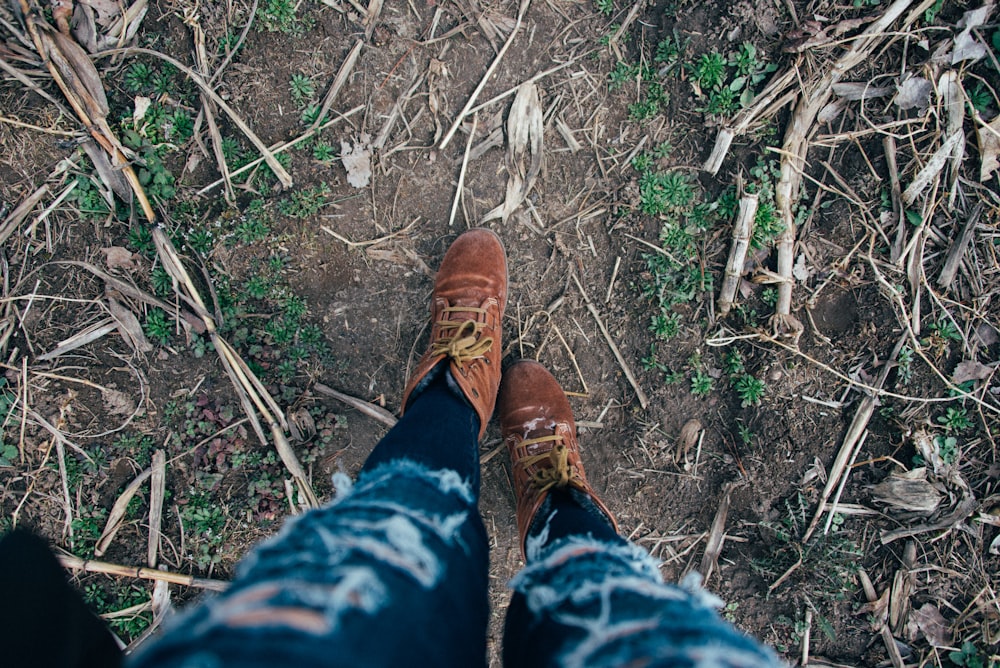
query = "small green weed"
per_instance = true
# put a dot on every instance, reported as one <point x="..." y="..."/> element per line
<point x="280" y="16"/>
<point x="324" y="152"/>
<point x="968" y="657"/>
<point x="955" y="419"/>
<point x="138" y="78"/>
<point x="158" y="326"/>
<point x="665" y="327"/>
<point x="709" y="70"/>
<point x="306" y="202"/>
<point x="8" y="451"/>
<point x="827" y="563"/>
<point x="606" y="7"/>
<point x="701" y="383"/>
<point x="733" y="363"/>
<point x="904" y="368"/>
<point x="979" y="97"/>
<point x="302" y="88"/>
<point x="664" y="192"/>
<point x="621" y="74"/>
<point x="749" y="389"/>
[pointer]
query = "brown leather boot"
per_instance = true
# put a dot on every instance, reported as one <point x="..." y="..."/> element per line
<point x="470" y="294"/>
<point x="537" y="425"/>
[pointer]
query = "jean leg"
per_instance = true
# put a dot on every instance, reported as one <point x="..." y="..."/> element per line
<point x="393" y="572"/>
<point x="590" y="598"/>
<point x="440" y="430"/>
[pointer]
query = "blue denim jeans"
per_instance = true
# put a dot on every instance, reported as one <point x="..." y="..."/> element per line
<point x="393" y="572"/>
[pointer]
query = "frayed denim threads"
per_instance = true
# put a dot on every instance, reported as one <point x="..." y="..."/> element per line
<point x="588" y="603"/>
<point x="392" y="572"/>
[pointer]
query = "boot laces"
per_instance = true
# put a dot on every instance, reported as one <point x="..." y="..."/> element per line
<point x="558" y="473"/>
<point x="462" y="341"/>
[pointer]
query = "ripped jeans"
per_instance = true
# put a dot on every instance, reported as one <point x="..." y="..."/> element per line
<point x="393" y="572"/>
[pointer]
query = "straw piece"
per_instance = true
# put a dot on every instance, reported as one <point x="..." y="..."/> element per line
<point x="75" y="563"/>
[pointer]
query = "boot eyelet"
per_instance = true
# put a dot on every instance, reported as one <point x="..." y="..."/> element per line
<point x="475" y="393"/>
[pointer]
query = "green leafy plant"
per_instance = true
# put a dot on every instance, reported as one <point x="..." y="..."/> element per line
<point x="701" y="383"/>
<point x="621" y="74"/>
<point x="904" y="362"/>
<point x="826" y="565"/>
<point x="665" y="326"/>
<point x="138" y="78"/>
<point x="733" y="363"/>
<point x="158" y="327"/>
<point x="947" y="448"/>
<point x="606" y="7"/>
<point x="967" y="656"/>
<point x="709" y="70"/>
<point x="955" y="419"/>
<point x="750" y="390"/>
<point x="660" y="192"/>
<point x="280" y="16"/>
<point x="668" y="52"/>
<point x="945" y="328"/>
<point x="302" y="88"/>
<point x="980" y="97"/>
<point x="324" y="152"/>
<point x="306" y="202"/>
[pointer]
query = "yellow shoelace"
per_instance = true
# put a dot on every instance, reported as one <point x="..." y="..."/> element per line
<point x="465" y="344"/>
<point x="560" y="473"/>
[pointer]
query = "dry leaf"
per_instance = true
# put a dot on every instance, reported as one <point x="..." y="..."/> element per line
<point x="987" y="334"/>
<point x="128" y="325"/>
<point x="989" y="148"/>
<point x="142" y="104"/>
<point x="117" y="513"/>
<point x="106" y="11"/>
<point x="688" y="437"/>
<point x="908" y="491"/>
<point x="970" y="370"/>
<point x="800" y="271"/>
<point x="117" y="257"/>
<point x="932" y="624"/>
<point x="357" y="161"/>
<point x="914" y="92"/>
<point x="524" y="150"/>
<point x="117" y="402"/>
<point x="968" y="47"/>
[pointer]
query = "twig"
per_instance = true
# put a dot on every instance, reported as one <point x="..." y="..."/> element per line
<point x="957" y="250"/>
<point x="117" y="513"/>
<point x="21" y="212"/>
<point x="486" y="77"/>
<point x="282" y="147"/>
<point x="572" y="358"/>
<point x="643" y="400"/>
<point x="742" y="231"/>
<point x="372" y="411"/>
<point x="369" y="242"/>
<point x="461" y="171"/>
<point x="157" y="488"/>
<point x="884" y="631"/>
<point x="253" y="395"/>
<point x="338" y="82"/>
<point x="853" y="440"/>
<point x="74" y="563"/>
<point x="268" y="155"/>
<point x="796" y="145"/>
<point x="611" y="283"/>
<point x="717" y="534"/>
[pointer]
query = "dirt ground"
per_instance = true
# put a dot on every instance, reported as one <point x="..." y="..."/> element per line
<point x="84" y="424"/>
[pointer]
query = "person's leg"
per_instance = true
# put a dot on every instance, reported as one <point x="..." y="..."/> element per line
<point x="393" y="572"/>
<point x="588" y="597"/>
<point x="339" y="586"/>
